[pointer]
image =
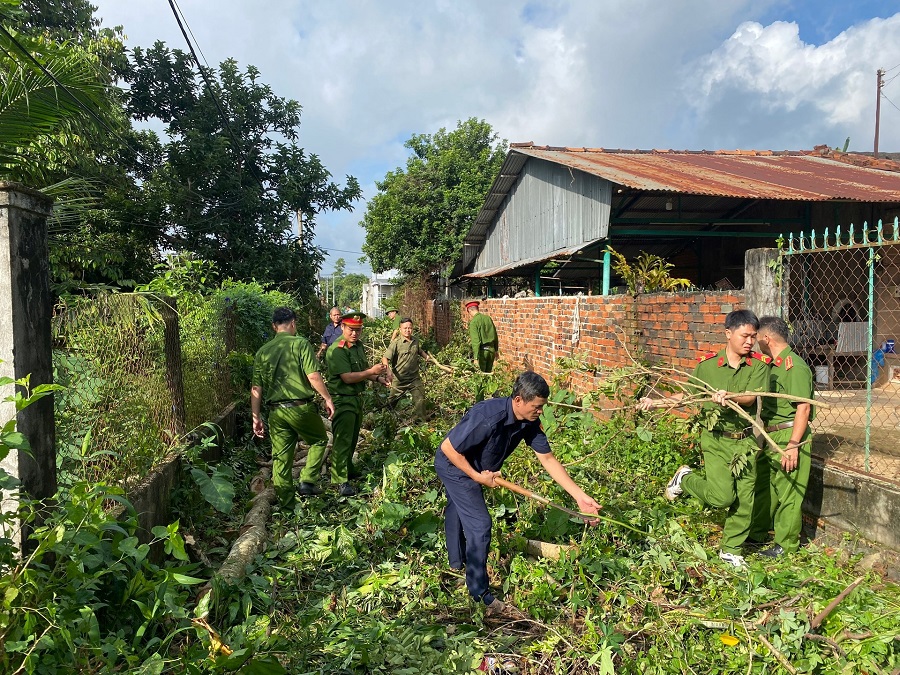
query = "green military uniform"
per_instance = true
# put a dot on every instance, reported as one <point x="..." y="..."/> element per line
<point x="280" y="368"/>
<point x="341" y="357"/>
<point x="779" y="494"/>
<point x="403" y="357"/>
<point x="483" y="335"/>
<point x="720" y="489"/>
<point x="395" y="324"/>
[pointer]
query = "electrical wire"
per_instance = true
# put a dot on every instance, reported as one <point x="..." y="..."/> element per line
<point x="889" y="100"/>
<point x="222" y="115"/>
<point x="200" y="49"/>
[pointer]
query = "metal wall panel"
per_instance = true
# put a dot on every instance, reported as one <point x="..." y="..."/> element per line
<point x="550" y="208"/>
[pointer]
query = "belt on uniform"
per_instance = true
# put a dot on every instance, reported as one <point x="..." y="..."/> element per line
<point x="779" y="427"/>
<point x="296" y="403"/>
<point x="733" y="435"/>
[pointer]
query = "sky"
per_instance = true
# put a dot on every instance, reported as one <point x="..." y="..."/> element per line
<point x="677" y="74"/>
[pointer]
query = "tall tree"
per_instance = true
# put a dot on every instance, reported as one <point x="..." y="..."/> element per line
<point x="233" y="175"/>
<point x="417" y="221"/>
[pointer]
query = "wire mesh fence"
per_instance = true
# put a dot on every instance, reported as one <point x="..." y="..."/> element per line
<point x="841" y="296"/>
<point x="137" y="376"/>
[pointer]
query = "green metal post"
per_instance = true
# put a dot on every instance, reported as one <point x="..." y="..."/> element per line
<point x="490" y="287"/>
<point x="607" y="265"/>
<point x="537" y="284"/>
<point x="869" y="366"/>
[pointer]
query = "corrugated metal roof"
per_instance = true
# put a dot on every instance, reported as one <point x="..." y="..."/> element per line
<point x="525" y="263"/>
<point x="803" y="176"/>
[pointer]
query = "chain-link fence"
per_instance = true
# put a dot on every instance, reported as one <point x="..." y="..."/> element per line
<point x="137" y="376"/>
<point x="841" y="296"/>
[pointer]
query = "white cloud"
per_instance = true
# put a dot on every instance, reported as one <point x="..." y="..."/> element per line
<point x="772" y="75"/>
<point x="618" y="73"/>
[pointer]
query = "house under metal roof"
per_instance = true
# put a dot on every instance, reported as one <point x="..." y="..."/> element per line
<point x="699" y="209"/>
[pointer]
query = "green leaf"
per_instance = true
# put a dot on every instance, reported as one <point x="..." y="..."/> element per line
<point x="644" y="434"/>
<point x="216" y="489"/>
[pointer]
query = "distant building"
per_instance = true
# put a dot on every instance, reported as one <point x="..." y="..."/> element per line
<point x="378" y="289"/>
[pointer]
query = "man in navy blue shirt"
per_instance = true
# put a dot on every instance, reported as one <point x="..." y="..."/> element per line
<point x="332" y="331"/>
<point x="471" y="456"/>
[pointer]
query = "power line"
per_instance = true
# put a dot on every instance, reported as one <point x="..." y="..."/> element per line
<point x="889" y="101"/>
<point x="222" y="115"/>
<point x="192" y="35"/>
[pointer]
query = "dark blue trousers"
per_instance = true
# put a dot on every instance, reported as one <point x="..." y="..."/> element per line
<point x="467" y="525"/>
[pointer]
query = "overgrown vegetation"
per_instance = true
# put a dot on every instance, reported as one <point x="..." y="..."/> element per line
<point x="648" y="273"/>
<point x="359" y="585"/>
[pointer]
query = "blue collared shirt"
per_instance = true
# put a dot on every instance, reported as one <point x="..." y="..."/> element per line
<point x="489" y="433"/>
<point x="331" y="333"/>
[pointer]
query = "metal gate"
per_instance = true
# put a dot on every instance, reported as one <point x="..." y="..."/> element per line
<point x="840" y="293"/>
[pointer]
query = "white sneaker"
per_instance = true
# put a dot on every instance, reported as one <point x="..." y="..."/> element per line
<point x="673" y="488"/>
<point x="733" y="559"/>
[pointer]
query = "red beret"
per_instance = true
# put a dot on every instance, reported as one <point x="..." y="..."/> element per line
<point x="353" y="319"/>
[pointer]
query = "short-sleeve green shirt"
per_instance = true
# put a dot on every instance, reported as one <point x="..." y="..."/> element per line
<point x="751" y="375"/>
<point x="403" y="355"/>
<point x="788" y="374"/>
<point x="281" y="367"/>
<point x="342" y="358"/>
<point x="482" y="333"/>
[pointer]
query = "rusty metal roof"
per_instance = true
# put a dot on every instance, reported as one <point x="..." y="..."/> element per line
<point x="818" y="175"/>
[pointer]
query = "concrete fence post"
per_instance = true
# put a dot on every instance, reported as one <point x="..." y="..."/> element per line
<point x="763" y="296"/>
<point x="25" y="338"/>
<point x="174" y="376"/>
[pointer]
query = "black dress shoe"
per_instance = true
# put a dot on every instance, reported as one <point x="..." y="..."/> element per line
<point x="773" y="552"/>
<point x="346" y="490"/>
<point x="308" y="490"/>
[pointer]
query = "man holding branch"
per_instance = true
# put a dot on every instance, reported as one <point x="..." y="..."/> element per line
<point x="733" y="369"/>
<point x="782" y="477"/>
<point x="471" y="456"/>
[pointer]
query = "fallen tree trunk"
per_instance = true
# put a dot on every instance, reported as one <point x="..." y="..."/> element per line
<point x="251" y="542"/>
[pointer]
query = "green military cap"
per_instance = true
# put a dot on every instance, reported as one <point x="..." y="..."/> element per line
<point x="353" y="319"/>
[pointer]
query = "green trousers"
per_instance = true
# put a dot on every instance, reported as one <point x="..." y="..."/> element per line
<point x="286" y="425"/>
<point x="779" y="495"/>
<point x="416" y="389"/>
<point x="485" y="365"/>
<point x="345" y="427"/>
<point x="721" y="490"/>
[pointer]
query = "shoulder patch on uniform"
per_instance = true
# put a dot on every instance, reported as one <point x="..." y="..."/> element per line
<point x="788" y="363"/>
<point x="341" y="343"/>
<point x="721" y="361"/>
<point x="706" y="356"/>
<point x="762" y="357"/>
<point x="777" y="361"/>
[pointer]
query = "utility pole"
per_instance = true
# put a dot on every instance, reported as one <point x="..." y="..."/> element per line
<point x="880" y="84"/>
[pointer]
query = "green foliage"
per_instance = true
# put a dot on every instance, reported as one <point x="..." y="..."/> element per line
<point x="648" y="273"/>
<point x="418" y="219"/>
<point x="88" y="597"/>
<point x="41" y="124"/>
<point x="243" y="180"/>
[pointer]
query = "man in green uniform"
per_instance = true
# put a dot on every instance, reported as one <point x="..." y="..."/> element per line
<point x="394" y="316"/>
<point x="733" y="369"/>
<point x="402" y="359"/>
<point x="483" y="335"/>
<point x="286" y="377"/>
<point x="348" y="371"/>
<point x="782" y="478"/>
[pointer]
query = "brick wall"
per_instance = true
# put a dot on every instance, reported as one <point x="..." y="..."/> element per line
<point x="667" y="327"/>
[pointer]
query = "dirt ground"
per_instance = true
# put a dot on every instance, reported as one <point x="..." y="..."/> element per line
<point x="840" y="431"/>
